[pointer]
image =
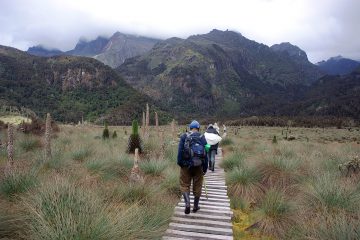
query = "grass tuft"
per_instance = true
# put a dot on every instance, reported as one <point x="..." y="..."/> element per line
<point x="276" y="214"/>
<point x="235" y="160"/>
<point x="326" y="194"/>
<point x="81" y="154"/>
<point x="244" y="182"/>
<point x="29" y="143"/>
<point x="17" y="183"/>
<point x="152" y="167"/>
<point x="227" y="141"/>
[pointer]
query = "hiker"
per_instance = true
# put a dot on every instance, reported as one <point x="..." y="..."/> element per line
<point x="224" y="131"/>
<point x="193" y="161"/>
<point x="213" y="138"/>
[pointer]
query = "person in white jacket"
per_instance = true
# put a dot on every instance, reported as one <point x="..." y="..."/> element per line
<point x="213" y="138"/>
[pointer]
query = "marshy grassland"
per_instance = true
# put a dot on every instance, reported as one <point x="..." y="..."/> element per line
<point x="282" y="189"/>
<point x="279" y="189"/>
<point x="83" y="191"/>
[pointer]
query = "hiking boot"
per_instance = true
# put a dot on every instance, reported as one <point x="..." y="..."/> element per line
<point x="196" y="204"/>
<point x="187" y="202"/>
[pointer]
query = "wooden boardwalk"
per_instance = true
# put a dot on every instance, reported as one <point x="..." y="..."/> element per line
<point x="213" y="220"/>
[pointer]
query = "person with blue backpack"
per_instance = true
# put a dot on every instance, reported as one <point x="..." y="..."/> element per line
<point x="193" y="162"/>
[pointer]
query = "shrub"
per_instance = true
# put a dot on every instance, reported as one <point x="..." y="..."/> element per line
<point x="134" y="139"/>
<point x="244" y="182"/>
<point x="114" y="135"/>
<point x="17" y="183"/>
<point x="105" y="134"/>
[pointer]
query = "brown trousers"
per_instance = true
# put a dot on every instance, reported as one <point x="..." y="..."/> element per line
<point x="196" y="175"/>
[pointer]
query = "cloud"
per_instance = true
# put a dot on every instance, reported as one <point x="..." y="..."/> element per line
<point x="323" y="28"/>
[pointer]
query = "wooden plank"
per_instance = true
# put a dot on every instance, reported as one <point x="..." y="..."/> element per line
<point x="201" y="229"/>
<point x="199" y="215"/>
<point x="210" y="211"/>
<point x="202" y="206"/>
<point x="199" y="236"/>
<point x="221" y="204"/>
<point x="202" y="222"/>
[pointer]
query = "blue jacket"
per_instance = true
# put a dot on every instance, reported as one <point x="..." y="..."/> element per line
<point x="184" y="163"/>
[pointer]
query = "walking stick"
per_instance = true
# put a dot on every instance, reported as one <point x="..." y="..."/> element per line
<point x="205" y="188"/>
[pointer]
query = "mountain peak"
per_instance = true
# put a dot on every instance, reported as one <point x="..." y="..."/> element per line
<point x="41" y="50"/>
<point x="338" y="65"/>
<point x="290" y="49"/>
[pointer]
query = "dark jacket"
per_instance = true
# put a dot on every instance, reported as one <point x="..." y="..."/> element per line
<point x="184" y="163"/>
<point x="211" y="129"/>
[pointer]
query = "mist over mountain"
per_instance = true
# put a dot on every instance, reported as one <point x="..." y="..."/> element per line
<point x="338" y="65"/>
<point x="220" y="74"/>
<point x="111" y="51"/>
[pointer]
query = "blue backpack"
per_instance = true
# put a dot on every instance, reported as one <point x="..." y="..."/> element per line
<point x="194" y="150"/>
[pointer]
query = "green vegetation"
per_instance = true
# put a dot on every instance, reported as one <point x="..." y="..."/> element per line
<point x="16" y="183"/>
<point x="83" y="191"/>
<point x="134" y="139"/>
<point x="292" y="189"/>
<point x="152" y="167"/>
<point x="29" y="143"/>
<point x="106" y="133"/>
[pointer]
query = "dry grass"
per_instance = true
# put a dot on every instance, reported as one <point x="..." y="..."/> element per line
<point x="83" y="191"/>
<point x="301" y="182"/>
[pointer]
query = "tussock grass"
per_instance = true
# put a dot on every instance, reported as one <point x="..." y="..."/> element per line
<point x="28" y="143"/>
<point x="275" y="214"/>
<point x="171" y="182"/>
<point x="235" y="160"/>
<point x="62" y="210"/>
<point x="57" y="161"/>
<point x="12" y="225"/>
<point x="280" y="172"/>
<point x="338" y="226"/>
<point x="16" y="183"/>
<point x="226" y="142"/>
<point x="110" y="168"/>
<point x="153" y="167"/>
<point x="133" y="193"/>
<point x="244" y="182"/>
<point x="81" y="153"/>
<point x="326" y="194"/>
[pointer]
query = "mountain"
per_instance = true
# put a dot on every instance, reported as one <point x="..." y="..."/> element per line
<point x="338" y="65"/>
<point x="220" y="73"/>
<point x="41" y="51"/>
<point x="89" y="48"/>
<point x="331" y="96"/>
<point x="111" y="51"/>
<point x="122" y="46"/>
<point x="68" y="87"/>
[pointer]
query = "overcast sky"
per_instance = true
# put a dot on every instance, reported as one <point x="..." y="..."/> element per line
<point x="323" y="28"/>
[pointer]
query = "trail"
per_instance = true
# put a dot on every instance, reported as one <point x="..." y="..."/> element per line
<point x="213" y="220"/>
